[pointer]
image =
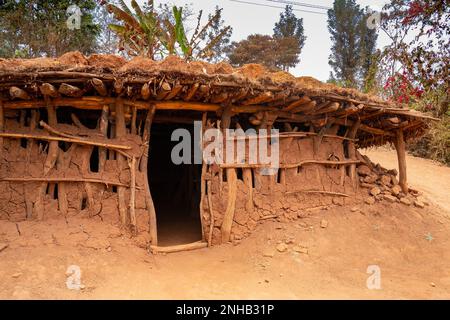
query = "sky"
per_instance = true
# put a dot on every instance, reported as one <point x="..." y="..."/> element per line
<point x="249" y="19"/>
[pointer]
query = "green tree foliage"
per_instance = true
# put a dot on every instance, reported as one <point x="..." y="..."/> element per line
<point x="156" y="33"/>
<point x="274" y="53"/>
<point x="32" y="28"/>
<point x="289" y="26"/>
<point x="354" y="43"/>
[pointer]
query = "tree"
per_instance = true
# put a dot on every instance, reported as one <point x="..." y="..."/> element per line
<point x="289" y="26"/>
<point x="274" y="53"/>
<point x="152" y="33"/>
<point x="38" y="28"/>
<point x="424" y="60"/>
<point x="353" y="43"/>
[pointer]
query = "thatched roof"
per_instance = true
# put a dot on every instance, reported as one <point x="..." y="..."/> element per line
<point x="250" y="89"/>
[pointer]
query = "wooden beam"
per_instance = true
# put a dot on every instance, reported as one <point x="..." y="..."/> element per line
<point x="401" y="156"/>
<point x="301" y="101"/>
<point x="145" y="91"/>
<point x="17" y="93"/>
<point x="173" y="93"/>
<point x="181" y="247"/>
<point x="99" y="86"/>
<point x="261" y="98"/>
<point x="70" y="91"/>
<point x="48" y="90"/>
<point x="63" y="179"/>
<point x="290" y="165"/>
<point x="191" y="92"/>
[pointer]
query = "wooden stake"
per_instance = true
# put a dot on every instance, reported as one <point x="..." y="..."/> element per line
<point x="120" y="132"/>
<point x="352" y="153"/>
<point x="2" y="126"/>
<point x="133" y="220"/>
<point x="248" y="181"/>
<point x="401" y="156"/>
<point x="143" y="166"/>
<point x="103" y="127"/>
<point x="211" y="214"/>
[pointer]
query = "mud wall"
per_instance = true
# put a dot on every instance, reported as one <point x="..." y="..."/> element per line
<point x="41" y="178"/>
<point x="289" y="194"/>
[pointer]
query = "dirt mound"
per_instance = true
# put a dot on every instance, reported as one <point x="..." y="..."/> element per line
<point x="139" y="63"/>
<point x="106" y="61"/>
<point x="253" y="71"/>
<point x="73" y="58"/>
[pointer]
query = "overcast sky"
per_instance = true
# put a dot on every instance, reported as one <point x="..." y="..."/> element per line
<point x="249" y="19"/>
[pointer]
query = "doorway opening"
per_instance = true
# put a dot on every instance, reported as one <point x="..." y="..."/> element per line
<point x="175" y="189"/>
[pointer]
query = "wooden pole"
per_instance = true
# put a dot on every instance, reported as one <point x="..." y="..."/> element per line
<point x="2" y="127"/>
<point x="352" y="153"/>
<point x="401" y="156"/>
<point x="203" y="180"/>
<point x="143" y="166"/>
<point x="232" y="187"/>
<point x="133" y="220"/>
<point x="120" y="132"/>
<point x="103" y="127"/>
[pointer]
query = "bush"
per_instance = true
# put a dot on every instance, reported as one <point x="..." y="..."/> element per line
<point x="436" y="143"/>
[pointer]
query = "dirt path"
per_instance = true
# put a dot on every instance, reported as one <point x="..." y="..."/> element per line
<point x="429" y="177"/>
<point x="323" y="256"/>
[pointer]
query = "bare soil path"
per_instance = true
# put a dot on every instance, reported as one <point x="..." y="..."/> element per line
<point x="317" y="260"/>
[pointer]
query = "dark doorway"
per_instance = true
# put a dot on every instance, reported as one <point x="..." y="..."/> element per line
<point x="175" y="189"/>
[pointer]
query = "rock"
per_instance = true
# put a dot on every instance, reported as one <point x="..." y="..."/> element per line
<point x="324" y="223"/>
<point x="300" y="249"/>
<point x="423" y="200"/>
<point x="405" y="201"/>
<point x="364" y="170"/>
<point x="289" y="241"/>
<point x="268" y="253"/>
<point x="375" y="191"/>
<point x="433" y="284"/>
<point x="370" y="200"/>
<point x="282" y="247"/>
<point x="371" y="178"/>
<point x="16" y="275"/>
<point x="3" y="246"/>
<point x="385" y="180"/>
<point x="354" y="209"/>
<point x="396" y="190"/>
<point x="394" y="180"/>
<point x="389" y="198"/>
<point x="419" y="204"/>
<point x="367" y="185"/>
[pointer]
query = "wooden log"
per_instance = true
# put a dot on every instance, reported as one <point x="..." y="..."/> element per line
<point x="211" y="214"/>
<point x="401" y="156"/>
<point x="290" y="165"/>
<point x="301" y="101"/>
<point x="2" y="127"/>
<point x="48" y="90"/>
<point x="321" y="192"/>
<point x="118" y="86"/>
<point x="103" y="128"/>
<point x="352" y="153"/>
<point x="248" y="181"/>
<point x="332" y="107"/>
<point x="17" y="93"/>
<point x="305" y="108"/>
<point x="191" y="92"/>
<point x="133" y="221"/>
<point x="181" y="247"/>
<point x="115" y="147"/>
<point x="99" y="86"/>
<point x="70" y="90"/>
<point x="203" y="180"/>
<point x="219" y="98"/>
<point x="120" y="132"/>
<point x="173" y="93"/>
<point x="64" y="179"/>
<point x="145" y="91"/>
<point x="232" y="187"/>
<point x="53" y="148"/>
<point x="261" y="98"/>
<point x="143" y="166"/>
<point x="164" y="90"/>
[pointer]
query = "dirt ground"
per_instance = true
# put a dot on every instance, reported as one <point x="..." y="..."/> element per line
<point x="323" y="256"/>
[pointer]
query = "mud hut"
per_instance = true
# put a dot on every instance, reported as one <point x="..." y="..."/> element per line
<point x="92" y="136"/>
